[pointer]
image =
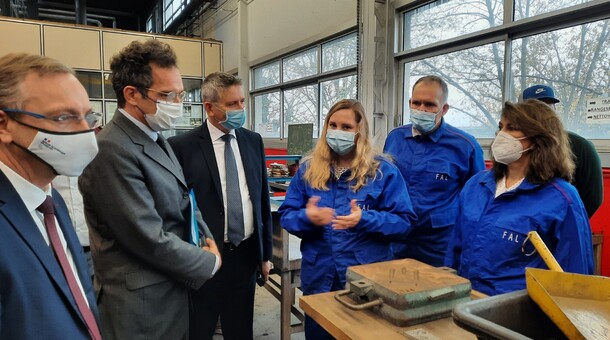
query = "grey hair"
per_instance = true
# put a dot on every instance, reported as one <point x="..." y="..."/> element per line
<point x="14" y="67"/>
<point x="214" y="82"/>
<point x="438" y="80"/>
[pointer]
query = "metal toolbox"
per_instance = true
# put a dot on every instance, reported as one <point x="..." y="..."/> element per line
<point x="404" y="292"/>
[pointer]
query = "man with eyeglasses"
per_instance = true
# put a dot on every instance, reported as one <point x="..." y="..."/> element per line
<point x="144" y="225"/>
<point x="45" y="130"/>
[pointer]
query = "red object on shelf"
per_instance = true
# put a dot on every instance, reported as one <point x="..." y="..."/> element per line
<point x="276" y="152"/>
<point x="600" y="224"/>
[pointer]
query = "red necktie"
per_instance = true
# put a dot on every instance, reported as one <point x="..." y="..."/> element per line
<point x="49" y="220"/>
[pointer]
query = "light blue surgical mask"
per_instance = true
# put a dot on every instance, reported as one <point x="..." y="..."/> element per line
<point x="234" y="119"/>
<point x="341" y="142"/>
<point x="423" y="121"/>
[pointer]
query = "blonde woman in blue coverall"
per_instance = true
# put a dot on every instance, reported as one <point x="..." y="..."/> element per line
<point x="527" y="189"/>
<point x="346" y="203"/>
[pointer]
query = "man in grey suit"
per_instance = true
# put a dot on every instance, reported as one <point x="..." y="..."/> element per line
<point x="137" y="205"/>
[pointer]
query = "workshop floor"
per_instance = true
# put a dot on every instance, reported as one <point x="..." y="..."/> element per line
<point x="267" y="317"/>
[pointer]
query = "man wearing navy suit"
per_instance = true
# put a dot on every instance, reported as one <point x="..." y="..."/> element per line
<point x="45" y="130"/>
<point x="225" y="165"/>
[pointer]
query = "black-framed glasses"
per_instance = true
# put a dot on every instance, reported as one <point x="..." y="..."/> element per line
<point x="170" y="97"/>
<point x="93" y="119"/>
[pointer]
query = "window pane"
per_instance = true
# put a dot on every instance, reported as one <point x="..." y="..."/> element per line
<point x="339" y="53"/>
<point x="97" y="106"/>
<point x="529" y="8"/>
<point x="149" y="24"/>
<point x="575" y="62"/>
<point x="444" y="19"/>
<point x="92" y="82"/>
<point x="110" y="108"/>
<point x="301" y="65"/>
<point x="334" y="90"/>
<point x="192" y="87"/>
<point x="192" y="116"/>
<point x="301" y="106"/>
<point x="267" y="75"/>
<point x="267" y="113"/>
<point x="108" y="90"/>
<point x="474" y="77"/>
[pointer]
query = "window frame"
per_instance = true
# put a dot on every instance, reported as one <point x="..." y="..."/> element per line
<point x="508" y="31"/>
<point x="315" y="79"/>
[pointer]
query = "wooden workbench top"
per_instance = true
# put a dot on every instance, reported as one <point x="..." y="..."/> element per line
<point x="344" y="323"/>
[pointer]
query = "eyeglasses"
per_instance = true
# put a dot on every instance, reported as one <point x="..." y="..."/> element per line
<point x="170" y="97"/>
<point x="93" y="119"/>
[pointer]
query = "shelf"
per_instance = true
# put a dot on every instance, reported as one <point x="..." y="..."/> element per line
<point x="283" y="157"/>
<point x="279" y="179"/>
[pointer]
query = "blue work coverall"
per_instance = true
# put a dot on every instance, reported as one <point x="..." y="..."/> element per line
<point x="486" y="246"/>
<point x="435" y="168"/>
<point x="326" y="253"/>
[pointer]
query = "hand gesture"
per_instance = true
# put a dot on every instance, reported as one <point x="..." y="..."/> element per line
<point x="212" y="248"/>
<point x="318" y="216"/>
<point x="349" y="221"/>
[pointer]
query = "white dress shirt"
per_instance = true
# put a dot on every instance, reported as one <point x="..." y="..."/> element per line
<point x="219" y="152"/>
<point x="68" y="189"/>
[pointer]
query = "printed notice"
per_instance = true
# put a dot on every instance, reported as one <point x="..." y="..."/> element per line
<point x="598" y="110"/>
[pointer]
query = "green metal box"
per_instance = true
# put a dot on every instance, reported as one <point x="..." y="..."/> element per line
<point x="406" y="292"/>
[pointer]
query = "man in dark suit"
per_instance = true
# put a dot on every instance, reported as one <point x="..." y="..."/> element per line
<point x="137" y="205"/>
<point x="45" y="130"/>
<point x="225" y="164"/>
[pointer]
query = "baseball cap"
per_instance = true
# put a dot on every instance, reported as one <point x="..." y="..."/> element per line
<point x="540" y="92"/>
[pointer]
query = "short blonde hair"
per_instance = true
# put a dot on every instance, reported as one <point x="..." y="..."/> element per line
<point x="14" y="67"/>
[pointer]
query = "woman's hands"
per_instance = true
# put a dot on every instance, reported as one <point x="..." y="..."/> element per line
<point x="324" y="216"/>
<point x="316" y="215"/>
<point x="348" y="221"/>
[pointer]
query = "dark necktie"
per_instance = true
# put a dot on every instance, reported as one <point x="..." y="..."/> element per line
<point x="49" y="221"/>
<point x="162" y="144"/>
<point x="235" y="217"/>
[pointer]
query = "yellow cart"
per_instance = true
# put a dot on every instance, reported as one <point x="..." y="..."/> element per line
<point x="578" y="304"/>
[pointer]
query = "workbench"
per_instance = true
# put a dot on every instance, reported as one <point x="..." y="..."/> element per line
<point x="344" y="323"/>
<point x="286" y="260"/>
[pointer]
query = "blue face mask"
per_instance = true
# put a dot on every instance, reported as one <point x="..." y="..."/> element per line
<point x="234" y="118"/>
<point x="341" y="142"/>
<point x="423" y="121"/>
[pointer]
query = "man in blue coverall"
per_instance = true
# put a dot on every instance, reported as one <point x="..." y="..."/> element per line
<point x="435" y="159"/>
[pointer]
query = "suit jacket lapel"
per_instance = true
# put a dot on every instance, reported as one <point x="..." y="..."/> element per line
<point x="209" y="158"/>
<point x="149" y="147"/>
<point x="247" y="152"/>
<point x="16" y="213"/>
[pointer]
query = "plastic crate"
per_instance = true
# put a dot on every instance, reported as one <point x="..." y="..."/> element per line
<point x="507" y="316"/>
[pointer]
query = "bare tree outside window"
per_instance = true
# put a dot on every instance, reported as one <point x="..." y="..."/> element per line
<point x="574" y="60"/>
<point x="309" y="83"/>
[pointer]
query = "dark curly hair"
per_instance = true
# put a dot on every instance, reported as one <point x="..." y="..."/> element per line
<point x="132" y="66"/>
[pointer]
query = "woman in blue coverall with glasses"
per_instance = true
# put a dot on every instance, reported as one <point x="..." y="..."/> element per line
<point x="346" y="203"/>
<point x="527" y="189"/>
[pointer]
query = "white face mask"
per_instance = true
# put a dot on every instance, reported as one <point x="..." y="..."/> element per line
<point x="506" y="148"/>
<point x="67" y="153"/>
<point x="166" y="116"/>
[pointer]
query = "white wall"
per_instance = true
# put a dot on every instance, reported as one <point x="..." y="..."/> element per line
<point x="275" y="26"/>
